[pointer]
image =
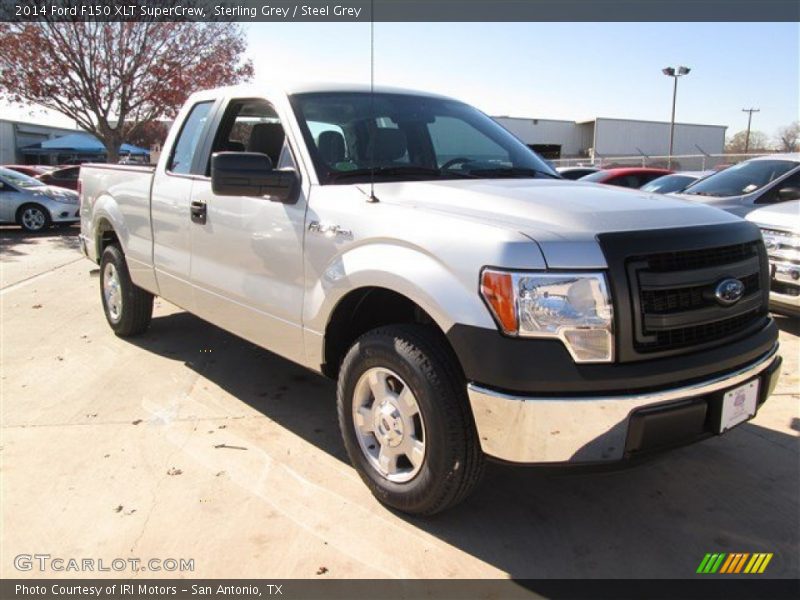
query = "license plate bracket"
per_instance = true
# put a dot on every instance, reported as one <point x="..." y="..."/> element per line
<point x="738" y="405"/>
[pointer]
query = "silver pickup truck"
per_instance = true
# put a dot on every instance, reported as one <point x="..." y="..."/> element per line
<point x="469" y="301"/>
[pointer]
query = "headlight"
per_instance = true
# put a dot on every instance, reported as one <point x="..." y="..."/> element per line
<point x="782" y="245"/>
<point x="573" y="307"/>
<point x="66" y="198"/>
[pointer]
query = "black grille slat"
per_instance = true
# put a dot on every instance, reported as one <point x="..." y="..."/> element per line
<point x="688" y="298"/>
<point x="698" y="259"/>
<point x="699" y="334"/>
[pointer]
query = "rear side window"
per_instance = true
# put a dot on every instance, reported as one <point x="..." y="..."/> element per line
<point x="189" y="138"/>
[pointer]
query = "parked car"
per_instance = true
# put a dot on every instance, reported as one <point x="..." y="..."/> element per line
<point x="576" y="172"/>
<point x="66" y="177"/>
<point x="748" y="185"/>
<point x="32" y="204"/>
<point x="29" y="170"/>
<point x="674" y="182"/>
<point x="780" y="226"/>
<point x="629" y="177"/>
<point x="469" y="305"/>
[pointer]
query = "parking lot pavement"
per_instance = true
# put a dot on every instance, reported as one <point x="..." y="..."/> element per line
<point x="188" y="442"/>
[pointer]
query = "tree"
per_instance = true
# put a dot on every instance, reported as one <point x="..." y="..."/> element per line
<point x="114" y="79"/>
<point x="152" y="134"/>
<point x="789" y="137"/>
<point x="736" y="143"/>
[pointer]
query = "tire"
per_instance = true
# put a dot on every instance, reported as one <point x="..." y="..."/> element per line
<point x="128" y="308"/>
<point x="33" y="218"/>
<point x="398" y="360"/>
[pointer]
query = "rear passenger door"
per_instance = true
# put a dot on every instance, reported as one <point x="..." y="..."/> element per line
<point x="247" y="257"/>
<point x="171" y="206"/>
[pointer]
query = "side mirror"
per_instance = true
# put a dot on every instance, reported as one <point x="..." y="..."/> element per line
<point x="251" y="174"/>
<point x="789" y="193"/>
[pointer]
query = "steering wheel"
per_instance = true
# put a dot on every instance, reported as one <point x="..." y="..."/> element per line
<point x="455" y="161"/>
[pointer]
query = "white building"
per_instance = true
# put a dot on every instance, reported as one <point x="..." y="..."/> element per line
<point x="15" y="135"/>
<point x="605" y="137"/>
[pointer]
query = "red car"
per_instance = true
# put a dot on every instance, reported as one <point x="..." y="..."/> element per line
<point x="66" y="177"/>
<point x="29" y="170"/>
<point x="629" y="177"/>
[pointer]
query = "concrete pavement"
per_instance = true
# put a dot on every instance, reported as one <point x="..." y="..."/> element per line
<point x="188" y="442"/>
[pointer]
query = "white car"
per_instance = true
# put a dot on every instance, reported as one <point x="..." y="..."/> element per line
<point x="34" y="205"/>
<point x="750" y="184"/>
<point x="780" y="226"/>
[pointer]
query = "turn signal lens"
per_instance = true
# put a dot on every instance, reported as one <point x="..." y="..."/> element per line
<point x="497" y="289"/>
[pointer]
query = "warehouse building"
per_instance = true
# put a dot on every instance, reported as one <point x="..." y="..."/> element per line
<point x="605" y="137"/>
<point x="15" y="136"/>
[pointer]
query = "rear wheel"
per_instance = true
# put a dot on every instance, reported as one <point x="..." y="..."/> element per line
<point x="128" y="308"/>
<point x="33" y="218"/>
<point x="406" y="421"/>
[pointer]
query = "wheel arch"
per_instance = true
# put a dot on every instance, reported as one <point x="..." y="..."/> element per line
<point x="369" y="307"/>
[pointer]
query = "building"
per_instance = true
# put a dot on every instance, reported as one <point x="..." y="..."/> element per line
<point x="605" y="137"/>
<point x="33" y="143"/>
<point x="16" y="135"/>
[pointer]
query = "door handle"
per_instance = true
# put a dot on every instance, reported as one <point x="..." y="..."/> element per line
<point x="198" y="211"/>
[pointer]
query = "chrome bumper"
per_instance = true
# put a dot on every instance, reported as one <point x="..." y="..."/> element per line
<point x="785" y="273"/>
<point x="579" y="429"/>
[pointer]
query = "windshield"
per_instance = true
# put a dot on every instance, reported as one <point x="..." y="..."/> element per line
<point x="668" y="184"/>
<point x="19" y="180"/>
<point x="354" y="137"/>
<point x="744" y="178"/>
<point x="596" y="176"/>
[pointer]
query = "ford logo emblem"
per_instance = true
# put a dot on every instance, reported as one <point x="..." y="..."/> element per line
<point x="729" y="291"/>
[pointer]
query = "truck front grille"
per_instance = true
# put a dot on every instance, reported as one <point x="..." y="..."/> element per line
<point x="674" y="296"/>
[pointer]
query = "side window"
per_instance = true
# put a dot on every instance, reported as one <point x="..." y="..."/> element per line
<point x="252" y="125"/>
<point x="771" y="195"/>
<point x="189" y="138"/>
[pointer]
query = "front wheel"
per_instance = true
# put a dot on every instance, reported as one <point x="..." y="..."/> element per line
<point x="406" y="421"/>
<point x="128" y="308"/>
<point x="33" y="218"/>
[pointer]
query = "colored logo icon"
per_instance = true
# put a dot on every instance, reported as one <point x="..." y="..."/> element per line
<point x="734" y="563"/>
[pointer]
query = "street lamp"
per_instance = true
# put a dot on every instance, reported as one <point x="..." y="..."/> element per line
<point x="674" y="73"/>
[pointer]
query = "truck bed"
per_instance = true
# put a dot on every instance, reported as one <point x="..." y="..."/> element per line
<point x="118" y="196"/>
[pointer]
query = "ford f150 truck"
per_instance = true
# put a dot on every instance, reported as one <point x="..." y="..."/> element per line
<point x="469" y="301"/>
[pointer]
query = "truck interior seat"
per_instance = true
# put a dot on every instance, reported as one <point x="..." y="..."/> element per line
<point x="387" y="146"/>
<point x="267" y="138"/>
<point x="331" y="147"/>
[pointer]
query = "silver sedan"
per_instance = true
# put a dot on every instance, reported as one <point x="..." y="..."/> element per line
<point x="34" y="205"/>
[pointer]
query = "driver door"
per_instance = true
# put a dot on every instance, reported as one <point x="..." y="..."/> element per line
<point x="247" y="257"/>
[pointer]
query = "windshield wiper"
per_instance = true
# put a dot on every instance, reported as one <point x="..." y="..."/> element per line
<point x="512" y="172"/>
<point x="689" y="192"/>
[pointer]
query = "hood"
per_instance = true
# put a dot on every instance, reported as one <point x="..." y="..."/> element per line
<point x="552" y="212"/>
<point x="784" y="216"/>
<point x="55" y="192"/>
<point x="732" y="204"/>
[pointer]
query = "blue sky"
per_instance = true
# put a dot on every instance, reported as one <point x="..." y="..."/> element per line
<point x="555" y="70"/>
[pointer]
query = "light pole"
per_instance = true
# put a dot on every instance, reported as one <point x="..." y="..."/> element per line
<point x="749" y="112"/>
<point x="674" y="73"/>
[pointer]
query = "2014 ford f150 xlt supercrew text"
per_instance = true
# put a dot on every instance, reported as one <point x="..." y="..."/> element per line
<point x="469" y="301"/>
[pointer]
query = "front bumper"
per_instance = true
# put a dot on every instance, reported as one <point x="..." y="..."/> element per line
<point x="599" y="429"/>
<point x="784" y="295"/>
<point x="64" y="213"/>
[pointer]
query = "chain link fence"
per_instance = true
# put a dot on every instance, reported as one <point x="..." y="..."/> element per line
<point x="682" y="162"/>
